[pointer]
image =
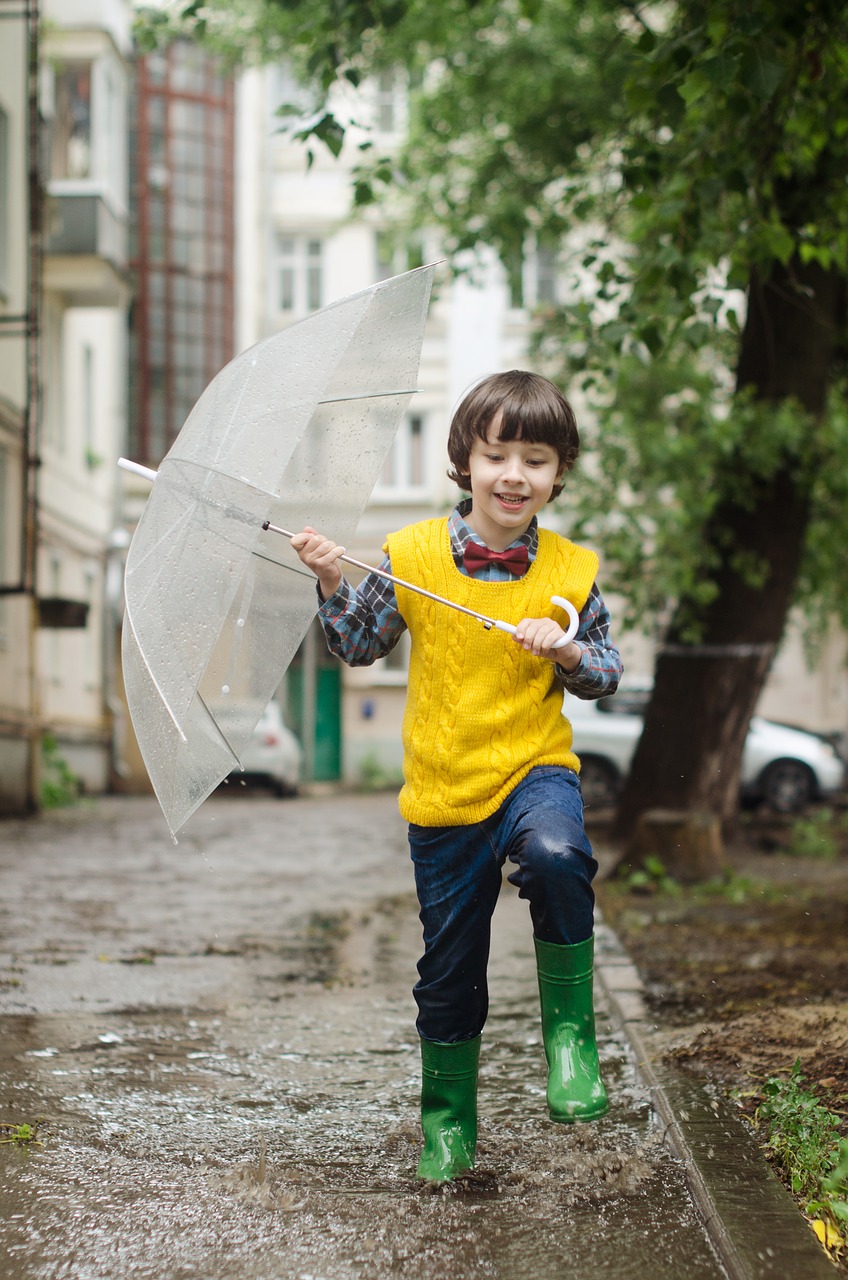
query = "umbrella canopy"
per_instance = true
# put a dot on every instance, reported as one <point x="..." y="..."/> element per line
<point x="295" y="431"/>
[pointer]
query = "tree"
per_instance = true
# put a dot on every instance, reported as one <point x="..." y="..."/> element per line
<point x="692" y="160"/>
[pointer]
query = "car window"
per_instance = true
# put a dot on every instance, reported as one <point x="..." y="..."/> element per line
<point x="627" y="702"/>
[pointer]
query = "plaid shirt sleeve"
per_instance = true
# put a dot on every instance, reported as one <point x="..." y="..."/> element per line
<point x="599" y="670"/>
<point x="362" y="623"/>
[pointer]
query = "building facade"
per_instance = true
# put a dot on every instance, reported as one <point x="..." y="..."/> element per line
<point x="62" y="383"/>
<point x="19" y="380"/>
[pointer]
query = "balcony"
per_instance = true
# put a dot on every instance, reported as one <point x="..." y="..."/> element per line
<point x="85" y="250"/>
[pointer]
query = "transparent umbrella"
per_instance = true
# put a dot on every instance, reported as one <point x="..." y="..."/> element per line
<point x="294" y="431"/>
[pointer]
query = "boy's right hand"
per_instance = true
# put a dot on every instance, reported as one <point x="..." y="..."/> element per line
<point x="321" y="556"/>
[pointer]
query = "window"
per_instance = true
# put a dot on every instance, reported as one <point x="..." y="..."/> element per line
<point x="182" y="184"/>
<point x="298" y="274"/>
<point x="71" y="156"/>
<point x="394" y="256"/>
<point x="546" y="275"/>
<point x="386" y="112"/>
<point x="285" y="91"/>
<point x="54" y="403"/>
<point x="534" y="278"/>
<point x="405" y="469"/>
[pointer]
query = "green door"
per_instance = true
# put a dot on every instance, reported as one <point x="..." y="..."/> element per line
<point x="314" y="708"/>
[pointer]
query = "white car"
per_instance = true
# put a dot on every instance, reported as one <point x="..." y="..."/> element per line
<point x="273" y="754"/>
<point x="783" y="767"/>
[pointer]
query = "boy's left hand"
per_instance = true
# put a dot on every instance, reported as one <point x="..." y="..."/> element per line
<point x="539" y="635"/>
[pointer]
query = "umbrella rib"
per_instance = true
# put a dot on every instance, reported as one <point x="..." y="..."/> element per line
<point x="370" y="395"/>
<point x="301" y="573"/>
<point x="221" y="733"/>
<point x="155" y="682"/>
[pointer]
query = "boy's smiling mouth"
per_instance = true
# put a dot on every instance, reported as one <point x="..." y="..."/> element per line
<point x="512" y="499"/>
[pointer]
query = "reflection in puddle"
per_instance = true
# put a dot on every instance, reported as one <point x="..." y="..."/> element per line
<point x="199" y="1143"/>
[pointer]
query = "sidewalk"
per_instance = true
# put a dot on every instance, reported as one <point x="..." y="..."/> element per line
<point x="219" y="1036"/>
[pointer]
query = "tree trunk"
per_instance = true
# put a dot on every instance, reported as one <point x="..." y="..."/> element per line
<point x="690" y="752"/>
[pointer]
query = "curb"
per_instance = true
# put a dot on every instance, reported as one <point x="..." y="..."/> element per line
<point x="750" y="1218"/>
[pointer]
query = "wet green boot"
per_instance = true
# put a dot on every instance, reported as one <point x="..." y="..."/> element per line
<point x="448" y="1108"/>
<point x="575" y="1088"/>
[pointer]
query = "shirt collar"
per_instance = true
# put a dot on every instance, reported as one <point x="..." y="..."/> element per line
<point x="461" y="533"/>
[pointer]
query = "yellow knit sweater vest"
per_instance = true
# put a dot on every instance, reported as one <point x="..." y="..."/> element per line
<point x="480" y="712"/>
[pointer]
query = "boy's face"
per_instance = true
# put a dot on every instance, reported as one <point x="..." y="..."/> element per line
<point x="511" y="480"/>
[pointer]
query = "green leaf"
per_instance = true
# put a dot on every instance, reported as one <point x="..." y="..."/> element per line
<point x="762" y="75"/>
<point x="694" y="87"/>
<point x="652" y="337"/>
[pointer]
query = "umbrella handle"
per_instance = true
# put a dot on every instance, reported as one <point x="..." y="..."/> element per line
<point x="570" y="631"/>
<point x="137" y="469"/>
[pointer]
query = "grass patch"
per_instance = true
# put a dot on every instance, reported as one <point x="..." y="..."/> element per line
<point x="652" y="880"/>
<point x="805" y="1143"/>
<point x="821" y="834"/>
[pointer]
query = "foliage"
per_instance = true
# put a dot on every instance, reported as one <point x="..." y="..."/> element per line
<point x="804" y="1142"/>
<point x="672" y="154"/>
<point x="652" y="880"/>
<point x="375" y="776"/>
<point x="651" y="877"/>
<point x="59" y="785"/>
<point x="821" y="834"/>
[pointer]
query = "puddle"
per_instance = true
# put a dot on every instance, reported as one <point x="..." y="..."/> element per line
<point x="252" y="1114"/>
<point x="212" y="1148"/>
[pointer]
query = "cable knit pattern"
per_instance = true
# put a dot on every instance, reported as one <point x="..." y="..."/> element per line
<point x="480" y="712"/>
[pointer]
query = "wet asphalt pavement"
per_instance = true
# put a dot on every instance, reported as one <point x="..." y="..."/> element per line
<point x="218" y="1041"/>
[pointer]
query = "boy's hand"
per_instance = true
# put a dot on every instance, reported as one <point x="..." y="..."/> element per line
<point x="539" y="635"/>
<point x="321" y="556"/>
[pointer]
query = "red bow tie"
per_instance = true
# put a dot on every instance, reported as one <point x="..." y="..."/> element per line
<point x="515" y="559"/>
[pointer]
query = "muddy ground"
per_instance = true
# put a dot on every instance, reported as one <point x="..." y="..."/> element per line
<point x="746" y="975"/>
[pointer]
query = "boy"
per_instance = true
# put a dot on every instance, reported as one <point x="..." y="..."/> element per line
<point x="489" y="771"/>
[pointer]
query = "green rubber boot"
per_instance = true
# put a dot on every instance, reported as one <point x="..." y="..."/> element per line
<point x="575" y="1088"/>
<point x="448" y="1108"/>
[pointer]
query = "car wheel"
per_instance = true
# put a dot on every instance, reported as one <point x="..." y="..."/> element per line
<point x="599" y="781"/>
<point x="787" y="785"/>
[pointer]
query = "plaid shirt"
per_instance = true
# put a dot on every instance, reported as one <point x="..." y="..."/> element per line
<point x="363" y="623"/>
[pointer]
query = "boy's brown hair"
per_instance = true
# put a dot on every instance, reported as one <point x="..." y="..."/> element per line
<point x="532" y="409"/>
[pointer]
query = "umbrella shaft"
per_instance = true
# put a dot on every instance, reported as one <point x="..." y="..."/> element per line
<point x="410" y="586"/>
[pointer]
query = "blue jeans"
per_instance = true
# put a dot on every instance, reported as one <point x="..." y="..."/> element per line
<point x="539" y="827"/>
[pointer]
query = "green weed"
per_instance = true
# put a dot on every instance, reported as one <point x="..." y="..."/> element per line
<point x="820" y="835"/>
<point x="20" y="1135"/>
<point x="59" y="786"/>
<point x="376" y="777"/>
<point x="734" y="888"/>
<point x="650" y="877"/>
<point x="804" y="1141"/>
